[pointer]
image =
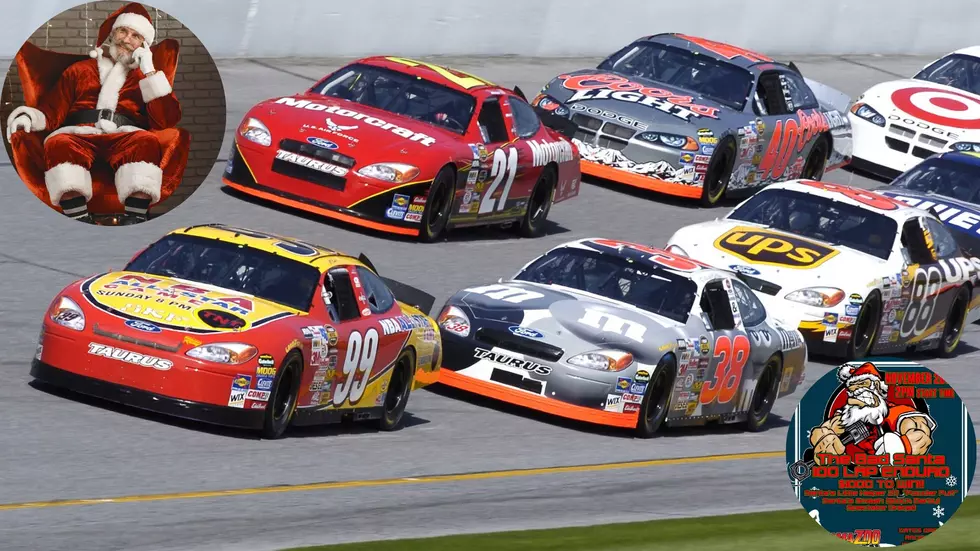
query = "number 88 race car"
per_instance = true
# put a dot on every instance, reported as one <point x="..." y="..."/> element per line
<point x="620" y="334"/>
<point x="860" y="272"/>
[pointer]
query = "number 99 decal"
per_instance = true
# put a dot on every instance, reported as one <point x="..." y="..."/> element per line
<point x="922" y="305"/>
<point x="358" y="363"/>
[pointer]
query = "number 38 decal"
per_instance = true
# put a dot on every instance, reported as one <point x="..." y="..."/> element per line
<point x="724" y="385"/>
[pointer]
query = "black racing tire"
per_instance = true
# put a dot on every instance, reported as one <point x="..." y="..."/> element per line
<point x="955" y="320"/>
<point x="766" y="392"/>
<point x="282" y="400"/>
<point x="539" y="204"/>
<point x="656" y="399"/>
<point x="816" y="161"/>
<point x="399" y="390"/>
<point x="719" y="172"/>
<point x="438" y="206"/>
<point x="865" y="328"/>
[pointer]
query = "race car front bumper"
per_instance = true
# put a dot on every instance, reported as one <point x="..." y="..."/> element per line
<point x="885" y="152"/>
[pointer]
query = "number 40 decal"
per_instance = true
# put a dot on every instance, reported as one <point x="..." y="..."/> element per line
<point x="728" y="373"/>
<point x="504" y="167"/>
<point x="361" y="354"/>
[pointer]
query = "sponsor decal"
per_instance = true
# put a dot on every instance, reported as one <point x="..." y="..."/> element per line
<point x="623" y="384"/>
<point x="399" y="207"/>
<point x="852" y="309"/>
<point x="258" y="395"/>
<point x="221" y="320"/>
<point x="141" y="325"/>
<point x="525" y="332"/>
<point x="844" y="334"/>
<point x="266" y="360"/>
<point x="628" y="121"/>
<point x="419" y="137"/>
<point x="775" y="249"/>
<point x="320" y="142"/>
<point x="788" y="139"/>
<point x="614" y="403"/>
<point x="505" y="359"/>
<point x="968" y="221"/>
<point x="829" y="318"/>
<point x="180" y="295"/>
<point x="402" y="324"/>
<point x="191" y="341"/>
<point x="847" y="320"/>
<point x="746" y="270"/>
<point x="855" y="299"/>
<point x="705" y="345"/>
<point x="631" y="408"/>
<point x="263" y="382"/>
<point x="129" y="357"/>
<point x="239" y="390"/>
<point x="311" y="163"/>
<point x="614" y="87"/>
<point x="632" y="398"/>
<point x="938" y="107"/>
<point x="546" y="152"/>
<point x="642" y="376"/>
<point x="638" y="388"/>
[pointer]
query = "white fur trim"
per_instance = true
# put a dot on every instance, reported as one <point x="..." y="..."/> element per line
<point x="139" y="177"/>
<point x="111" y="86"/>
<point x="844" y="373"/>
<point x="66" y="177"/>
<point x="89" y="130"/>
<point x="38" y="120"/>
<point x="155" y="86"/>
<point x="138" y="23"/>
<point x="94" y="53"/>
<point x="868" y="377"/>
<point x="105" y="65"/>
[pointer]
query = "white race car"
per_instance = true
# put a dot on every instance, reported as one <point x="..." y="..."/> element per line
<point x="859" y="273"/>
<point x="899" y="123"/>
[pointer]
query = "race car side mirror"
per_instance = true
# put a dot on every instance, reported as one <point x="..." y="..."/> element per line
<point x="519" y="92"/>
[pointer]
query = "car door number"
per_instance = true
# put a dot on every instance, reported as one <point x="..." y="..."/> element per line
<point x="361" y="354"/>
<point x="922" y="305"/>
<point x="727" y="377"/>
<point x="504" y="168"/>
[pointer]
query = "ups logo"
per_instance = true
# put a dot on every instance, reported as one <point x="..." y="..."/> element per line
<point x="776" y="249"/>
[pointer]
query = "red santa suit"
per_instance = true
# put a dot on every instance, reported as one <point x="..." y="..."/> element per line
<point x="103" y="109"/>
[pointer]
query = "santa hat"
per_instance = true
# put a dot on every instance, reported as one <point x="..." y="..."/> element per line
<point x="849" y="375"/>
<point x="132" y="15"/>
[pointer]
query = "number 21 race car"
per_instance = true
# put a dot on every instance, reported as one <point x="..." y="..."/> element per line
<point x="860" y="273"/>
<point x="405" y="147"/>
<point x="244" y="329"/>
<point x="623" y="335"/>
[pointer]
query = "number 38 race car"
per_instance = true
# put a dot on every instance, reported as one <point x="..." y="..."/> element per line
<point x="244" y="329"/>
<point x="405" y="147"/>
<point x="619" y="334"/>
<point x="861" y="273"/>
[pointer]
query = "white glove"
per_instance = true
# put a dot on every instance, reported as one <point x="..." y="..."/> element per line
<point x="889" y="443"/>
<point x="144" y="58"/>
<point x="20" y="122"/>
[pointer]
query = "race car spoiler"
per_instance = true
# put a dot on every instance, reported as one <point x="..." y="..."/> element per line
<point x="416" y="298"/>
<point x="828" y="97"/>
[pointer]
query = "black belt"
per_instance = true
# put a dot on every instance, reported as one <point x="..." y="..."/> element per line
<point x="92" y="116"/>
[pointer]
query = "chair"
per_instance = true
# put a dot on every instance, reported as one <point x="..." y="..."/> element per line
<point x="39" y="71"/>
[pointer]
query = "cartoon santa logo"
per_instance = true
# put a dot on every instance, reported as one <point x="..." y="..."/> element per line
<point x="115" y="107"/>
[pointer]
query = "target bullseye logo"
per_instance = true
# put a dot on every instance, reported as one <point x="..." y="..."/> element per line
<point x="940" y="107"/>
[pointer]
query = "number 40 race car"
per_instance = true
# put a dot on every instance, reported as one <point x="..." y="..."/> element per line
<point x="623" y="335"/>
<point x="244" y="329"/>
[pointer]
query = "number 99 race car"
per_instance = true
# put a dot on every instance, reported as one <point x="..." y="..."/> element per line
<point x="623" y="335"/>
<point x="860" y="273"/>
<point x="244" y="329"/>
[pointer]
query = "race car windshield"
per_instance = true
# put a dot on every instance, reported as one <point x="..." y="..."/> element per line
<point x="402" y="94"/>
<point x="646" y="287"/>
<point x="957" y="180"/>
<point x="956" y="70"/>
<point x="820" y="218"/>
<point x="229" y="266"/>
<point x="722" y="82"/>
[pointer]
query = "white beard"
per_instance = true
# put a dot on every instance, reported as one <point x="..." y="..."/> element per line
<point x="868" y="413"/>
<point x="120" y="56"/>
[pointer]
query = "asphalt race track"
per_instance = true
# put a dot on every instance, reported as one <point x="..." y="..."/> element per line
<point x="54" y="447"/>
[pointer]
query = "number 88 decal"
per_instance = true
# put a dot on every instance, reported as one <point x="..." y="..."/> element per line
<point x="921" y="307"/>
<point x="360" y="360"/>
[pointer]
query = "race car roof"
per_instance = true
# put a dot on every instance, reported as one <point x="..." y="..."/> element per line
<point x="439" y="74"/>
<point x="288" y="247"/>
<point x="644" y="254"/>
<point x="848" y="194"/>
<point x="970" y="51"/>
<point x="718" y="50"/>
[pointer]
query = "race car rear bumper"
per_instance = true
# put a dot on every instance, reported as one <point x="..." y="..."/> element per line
<point x="134" y="397"/>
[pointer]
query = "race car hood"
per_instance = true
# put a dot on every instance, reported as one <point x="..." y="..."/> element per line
<point x="177" y="304"/>
<point x="896" y="98"/>
<point x="684" y="113"/>
<point x="575" y="321"/>
<point x="351" y="128"/>
<point x="786" y="260"/>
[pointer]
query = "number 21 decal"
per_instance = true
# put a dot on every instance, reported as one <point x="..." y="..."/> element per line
<point x="361" y="354"/>
<point x="728" y="374"/>
<point x="504" y="168"/>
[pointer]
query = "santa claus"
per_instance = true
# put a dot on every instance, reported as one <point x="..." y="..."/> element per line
<point x="106" y="107"/>
<point x="892" y="427"/>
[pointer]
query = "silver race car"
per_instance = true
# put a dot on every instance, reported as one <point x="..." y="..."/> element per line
<point x="621" y="334"/>
<point x="695" y="118"/>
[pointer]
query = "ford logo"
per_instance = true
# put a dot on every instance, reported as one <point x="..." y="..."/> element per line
<point x="140" y="325"/>
<point x="320" y="142"/>
<point x="744" y="269"/>
<point x="525" y="332"/>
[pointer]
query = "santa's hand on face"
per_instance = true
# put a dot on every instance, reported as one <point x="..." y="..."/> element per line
<point x="106" y="108"/>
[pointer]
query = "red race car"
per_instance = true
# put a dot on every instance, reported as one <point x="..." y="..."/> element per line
<point x="405" y="147"/>
<point x="244" y="329"/>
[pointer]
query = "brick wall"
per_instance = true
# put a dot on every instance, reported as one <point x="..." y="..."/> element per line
<point x="197" y="83"/>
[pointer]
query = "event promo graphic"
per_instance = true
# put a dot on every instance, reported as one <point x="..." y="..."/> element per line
<point x="113" y="113"/>
<point x="881" y="453"/>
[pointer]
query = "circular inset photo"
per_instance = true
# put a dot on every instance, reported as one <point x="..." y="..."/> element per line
<point x="113" y="113"/>
<point x="881" y="453"/>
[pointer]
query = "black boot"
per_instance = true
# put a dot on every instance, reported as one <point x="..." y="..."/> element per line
<point x="137" y="211"/>
<point x="76" y="208"/>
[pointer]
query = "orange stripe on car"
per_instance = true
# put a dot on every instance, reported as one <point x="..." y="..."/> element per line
<point x="642" y="182"/>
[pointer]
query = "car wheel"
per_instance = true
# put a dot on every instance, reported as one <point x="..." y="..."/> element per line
<point x="399" y="389"/>
<point x="438" y="206"/>
<point x="656" y="399"/>
<point x="816" y="162"/>
<point x="865" y="328"/>
<point x="955" y="320"/>
<point x="282" y="400"/>
<point x="539" y="204"/>
<point x="719" y="173"/>
<point x="766" y="391"/>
